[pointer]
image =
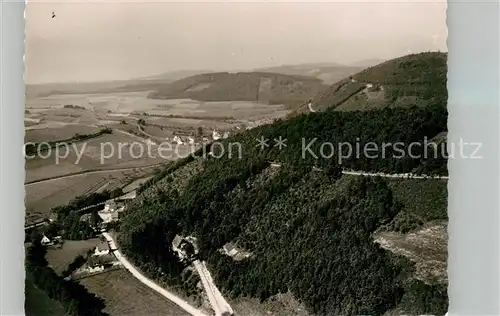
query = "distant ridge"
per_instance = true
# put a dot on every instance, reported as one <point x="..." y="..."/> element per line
<point x="411" y="80"/>
<point x="262" y="87"/>
<point x="365" y="63"/>
<point x="327" y="72"/>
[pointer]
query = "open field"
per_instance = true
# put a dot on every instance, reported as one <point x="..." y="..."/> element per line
<point x="277" y="305"/>
<point x="119" y="104"/>
<point x="117" y="150"/>
<point x="56" y="113"/>
<point x="125" y="295"/>
<point x="139" y="84"/>
<point x="42" y="196"/>
<point x="60" y="258"/>
<point x="64" y="131"/>
<point x="426" y="247"/>
<point x="136" y="184"/>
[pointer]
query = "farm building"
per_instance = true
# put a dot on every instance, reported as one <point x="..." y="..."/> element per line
<point x="95" y="269"/>
<point x="105" y="260"/>
<point x="177" y="243"/>
<point x="232" y="251"/>
<point x="110" y="212"/>
<point x="184" y="247"/>
<point x="215" y="135"/>
<point x="46" y="241"/>
<point x="100" y="251"/>
<point x="177" y="140"/>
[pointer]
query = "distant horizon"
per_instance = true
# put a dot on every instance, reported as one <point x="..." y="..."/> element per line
<point x="151" y="76"/>
<point x="110" y="41"/>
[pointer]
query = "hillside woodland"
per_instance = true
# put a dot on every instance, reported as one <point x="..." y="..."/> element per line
<point x="309" y="230"/>
<point x="268" y="88"/>
<point x="412" y="80"/>
<point x="328" y="73"/>
<point x="309" y="233"/>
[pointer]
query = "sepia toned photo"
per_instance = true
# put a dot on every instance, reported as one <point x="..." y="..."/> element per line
<point x="237" y="158"/>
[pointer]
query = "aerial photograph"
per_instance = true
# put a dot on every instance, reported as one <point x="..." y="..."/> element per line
<point x="236" y="158"/>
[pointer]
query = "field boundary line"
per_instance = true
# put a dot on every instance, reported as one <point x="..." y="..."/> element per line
<point x="73" y="174"/>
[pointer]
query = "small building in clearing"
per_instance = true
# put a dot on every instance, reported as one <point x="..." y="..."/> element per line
<point x="46" y="241"/>
<point x="110" y="212"/>
<point x="232" y="251"/>
<point x="100" y="252"/>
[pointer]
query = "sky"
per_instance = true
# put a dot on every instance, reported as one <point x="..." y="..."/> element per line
<point x="114" y="40"/>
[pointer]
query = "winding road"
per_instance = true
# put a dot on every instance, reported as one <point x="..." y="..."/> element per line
<point x="168" y="295"/>
<point x="220" y="306"/>
<point x="377" y="174"/>
<point x="309" y="105"/>
<point x="389" y="175"/>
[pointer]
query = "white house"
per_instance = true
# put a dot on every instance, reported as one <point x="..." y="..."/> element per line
<point x="108" y="217"/>
<point x="110" y="211"/>
<point x="177" y="246"/>
<point x="177" y="140"/>
<point x="215" y="135"/>
<point x="98" y="252"/>
<point x="45" y="240"/>
<point x="109" y="206"/>
<point x="230" y="250"/>
<point x="96" y="269"/>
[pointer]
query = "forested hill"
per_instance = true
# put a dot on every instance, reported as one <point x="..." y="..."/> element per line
<point x="263" y="87"/>
<point x="344" y="139"/>
<point x="412" y="80"/>
<point x="309" y="232"/>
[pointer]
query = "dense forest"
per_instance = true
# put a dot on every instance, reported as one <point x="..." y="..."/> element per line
<point x="309" y="228"/>
<point x="310" y="232"/>
<point x="402" y="139"/>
